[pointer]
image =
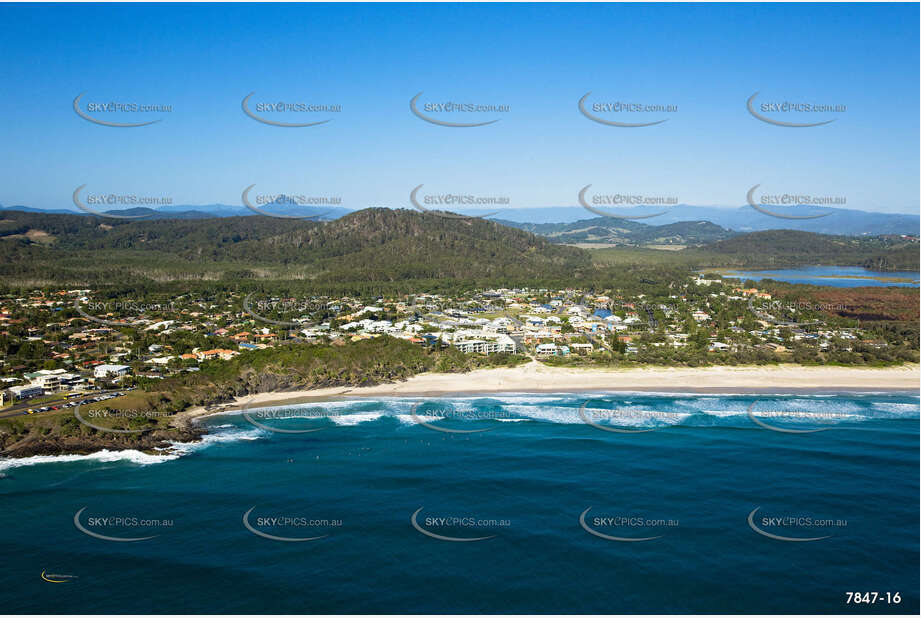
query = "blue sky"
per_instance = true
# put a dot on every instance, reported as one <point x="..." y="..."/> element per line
<point x="537" y="59"/>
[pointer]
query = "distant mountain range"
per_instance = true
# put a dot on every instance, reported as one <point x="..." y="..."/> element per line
<point x="205" y="211"/>
<point x="572" y="221"/>
<point x="603" y="230"/>
<point x="840" y="221"/>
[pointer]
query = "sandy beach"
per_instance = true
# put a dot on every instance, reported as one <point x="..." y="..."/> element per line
<point x="538" y="378"/>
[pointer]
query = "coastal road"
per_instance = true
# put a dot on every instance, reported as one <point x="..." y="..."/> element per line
<point x="19" y="409"/>
<point x="519" y="343"/>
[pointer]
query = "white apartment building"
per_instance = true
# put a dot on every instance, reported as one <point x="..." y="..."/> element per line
<point x="502" y="343"/>
<point x="52" y="380"/>
<point x="110" y="371"/>
<point x="26" y="391"/>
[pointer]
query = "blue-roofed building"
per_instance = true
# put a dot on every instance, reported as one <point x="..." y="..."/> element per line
<point x="430" y="339"/>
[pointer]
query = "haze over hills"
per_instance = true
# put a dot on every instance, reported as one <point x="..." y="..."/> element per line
<point x="200" y="211"/>
<point x="839" y="221"/>
<point x="604" y="230"/>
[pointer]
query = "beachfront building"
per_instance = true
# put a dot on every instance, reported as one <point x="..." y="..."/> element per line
<point x="502" y="343"/>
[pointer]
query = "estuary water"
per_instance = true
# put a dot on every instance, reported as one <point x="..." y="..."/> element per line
<point x="834" y="276"/>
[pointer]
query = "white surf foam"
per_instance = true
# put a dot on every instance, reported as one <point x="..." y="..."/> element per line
<point x="184" y="448"/>
<point x="631" y="416"/>
<point x="356" y="418"/>
<point x="132" y="456"/>
<point x="346" y="420"/>
<point x="907" y="410"/>
<point x="409" y="419"/>
<point x="170" y="453"/>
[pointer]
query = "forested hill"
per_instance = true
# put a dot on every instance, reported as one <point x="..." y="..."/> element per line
<point x="373" y="244"/>
<point x="790" y="247"/>
<point x="376" y="246"/>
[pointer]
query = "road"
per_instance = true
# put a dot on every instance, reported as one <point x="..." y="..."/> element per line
<point x="519" y="343"/>
<point x="591" y="339"/>
<point x="19" y="409"/>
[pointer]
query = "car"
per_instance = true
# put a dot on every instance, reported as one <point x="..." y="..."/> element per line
<point x="30" y="411"/>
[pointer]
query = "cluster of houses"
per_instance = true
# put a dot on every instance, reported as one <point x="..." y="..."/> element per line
<point x="100" y="341"/>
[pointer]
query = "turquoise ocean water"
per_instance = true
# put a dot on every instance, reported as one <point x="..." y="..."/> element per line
<point x="566" y="503"/>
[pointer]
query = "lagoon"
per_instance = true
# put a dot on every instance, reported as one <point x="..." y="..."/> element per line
<point x="834" y="276"/>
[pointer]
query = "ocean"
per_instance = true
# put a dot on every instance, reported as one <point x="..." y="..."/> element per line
<point x="624" y="502"/>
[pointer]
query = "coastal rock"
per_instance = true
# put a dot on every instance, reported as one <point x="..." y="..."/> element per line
<point x="84" y="445"/>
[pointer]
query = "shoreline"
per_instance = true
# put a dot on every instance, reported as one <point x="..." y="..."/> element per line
<point x="533" y="378"/>
<point x="538" y="378"/>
